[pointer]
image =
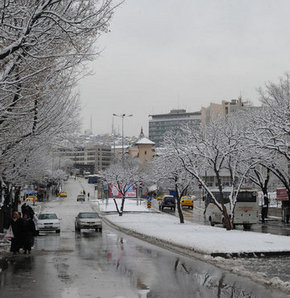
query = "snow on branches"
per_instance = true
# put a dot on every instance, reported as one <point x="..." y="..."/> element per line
<point x="124" y="175"/>
<point x="43" y="47"/>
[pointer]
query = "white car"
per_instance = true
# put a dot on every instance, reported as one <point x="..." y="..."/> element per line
<point x="47" y="221"/>
<point x="88" y="220"/>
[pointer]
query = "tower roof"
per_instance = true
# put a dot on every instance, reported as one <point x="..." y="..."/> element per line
<point x="144" y="141"/>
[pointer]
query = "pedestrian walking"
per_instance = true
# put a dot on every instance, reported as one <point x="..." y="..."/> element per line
<point x="26" y="209"/>
<point x="17" y="229"/>
<point x="29" y="232"/>
<point x="84" y="192"/>
<point x="88" y="195"/>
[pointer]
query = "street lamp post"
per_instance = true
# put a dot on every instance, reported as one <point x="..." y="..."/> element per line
<point x="123" y="116"/>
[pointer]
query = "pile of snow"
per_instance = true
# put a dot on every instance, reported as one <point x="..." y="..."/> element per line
<point x="131" y="205"/>
<point x="196" y="237"/>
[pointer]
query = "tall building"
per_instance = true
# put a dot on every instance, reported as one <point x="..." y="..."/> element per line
<point x="159" y="124"/>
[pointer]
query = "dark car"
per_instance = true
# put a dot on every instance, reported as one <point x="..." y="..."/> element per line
<point x="88" y="220"/>
<point x="81" y="198"/>
<point x="167" y="202"/>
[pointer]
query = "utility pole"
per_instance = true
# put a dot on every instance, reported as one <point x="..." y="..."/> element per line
<point x="122" y="116"/>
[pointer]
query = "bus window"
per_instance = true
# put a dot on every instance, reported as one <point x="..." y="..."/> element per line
<point x="247" y="196"/>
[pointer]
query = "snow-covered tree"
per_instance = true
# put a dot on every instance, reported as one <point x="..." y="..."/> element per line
<point x="218" y="147"/>
<point x="169" y="168"/>
<point x="272" y="128"/>
<point x="43" y="47"/>
<point x="124" y="175"/>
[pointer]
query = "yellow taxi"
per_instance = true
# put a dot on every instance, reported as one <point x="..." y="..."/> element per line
<point x="62" y="194"/>
<point x="159" y="198"/>
<point x="31" y="199"/>
<point x="187" y="201"/>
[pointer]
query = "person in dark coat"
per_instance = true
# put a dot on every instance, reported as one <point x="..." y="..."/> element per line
<point x="17" y="228"/>
<point x="29" y="232"/>
<point x="26" y="209"/>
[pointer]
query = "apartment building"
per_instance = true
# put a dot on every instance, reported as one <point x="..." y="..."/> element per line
<point x="226" y="107"/>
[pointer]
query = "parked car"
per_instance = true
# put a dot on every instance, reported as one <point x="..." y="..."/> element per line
<point x="88" y="220"/>
<point x="62" y="194"/>
<point x="187" y="201"/>
<point x="47" y="221"/>
<point x="81" y="198"/>
<point x="167" y="201"/>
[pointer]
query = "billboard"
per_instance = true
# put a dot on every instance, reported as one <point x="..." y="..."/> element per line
<point x="282" y="194"/>
<point x="114" y="192"/>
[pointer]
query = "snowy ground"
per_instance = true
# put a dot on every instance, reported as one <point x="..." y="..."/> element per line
<point x="198" y="238"/>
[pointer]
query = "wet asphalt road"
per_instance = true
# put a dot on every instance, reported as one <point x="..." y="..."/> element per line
<point x="111" y="264"/>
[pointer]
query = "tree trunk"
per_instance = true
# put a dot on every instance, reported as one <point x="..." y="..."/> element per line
<point x="122" y="206"/>
<point x="228" y="224"/>
<point x="16" y="199"/>
<point x="180" y="213"/>
<point x="117" y="206"/>
<point x="1" y="211"/>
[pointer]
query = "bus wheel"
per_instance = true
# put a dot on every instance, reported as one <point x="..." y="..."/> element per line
<point x="211" y="222"/>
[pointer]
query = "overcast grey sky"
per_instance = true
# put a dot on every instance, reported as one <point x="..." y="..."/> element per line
<point x="165" y="54"/>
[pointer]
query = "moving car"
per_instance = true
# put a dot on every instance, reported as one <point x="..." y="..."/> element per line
<point x="31" y="199"/>
<point x="47" y="221"/>
<point x="62" y="194"/>
<point x="167" y="201"/>
<point x="88" y="220"/>
<point x="187" y="201"/>
<point x="81" y="198"/>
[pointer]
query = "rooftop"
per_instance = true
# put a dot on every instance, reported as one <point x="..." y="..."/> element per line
<point x="144" y="141"/>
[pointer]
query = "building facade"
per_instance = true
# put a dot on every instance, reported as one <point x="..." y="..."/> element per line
<point x="226" y="107"/>
<point x="159" y="124"/>
<point x="143" y="149"/>
<point x="91" y="158"/>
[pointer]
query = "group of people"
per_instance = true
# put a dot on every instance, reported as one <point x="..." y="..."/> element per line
<point x="23" y="229"/>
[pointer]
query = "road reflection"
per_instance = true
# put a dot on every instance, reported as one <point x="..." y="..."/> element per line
<point x="158" y="273"/>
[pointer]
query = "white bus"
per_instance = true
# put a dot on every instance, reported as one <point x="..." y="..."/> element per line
<point x="246" y="209"/>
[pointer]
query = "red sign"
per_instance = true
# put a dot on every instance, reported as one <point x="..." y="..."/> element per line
<point x="114" y="192"/>
<point x="282" y="194"/>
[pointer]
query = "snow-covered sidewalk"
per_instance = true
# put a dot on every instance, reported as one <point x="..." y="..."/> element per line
<point x="194" y="237"/>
